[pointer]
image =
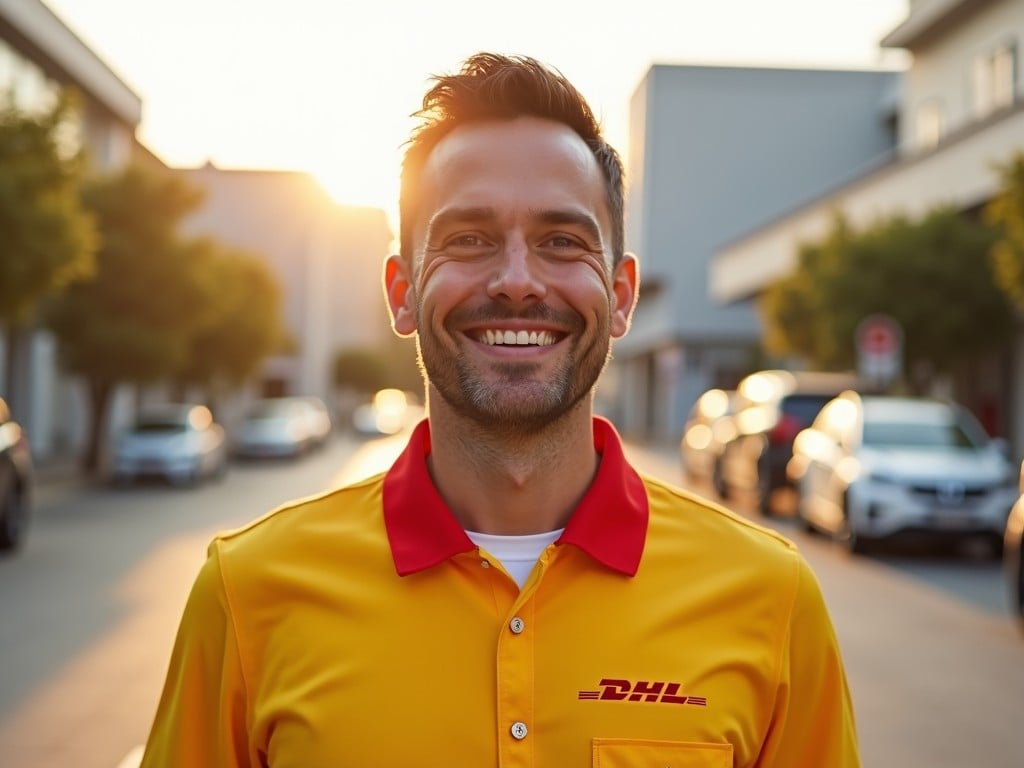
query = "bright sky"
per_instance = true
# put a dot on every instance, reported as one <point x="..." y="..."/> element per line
<point x="327" y="86"/>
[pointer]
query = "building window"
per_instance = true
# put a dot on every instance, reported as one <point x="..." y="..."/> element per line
<point x="995" y="80"/>
<point x="928" y="125"/>
<point x="23" y="84"/>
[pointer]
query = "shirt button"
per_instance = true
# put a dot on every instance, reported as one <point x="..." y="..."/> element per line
<point x="516" y="625"/>
<point x="518" y="730"/>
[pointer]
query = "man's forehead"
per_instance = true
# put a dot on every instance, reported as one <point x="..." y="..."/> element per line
<point x="485" y="144"/>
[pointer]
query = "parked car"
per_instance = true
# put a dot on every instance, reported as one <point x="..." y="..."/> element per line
<point x="709" y="427"/>
<point x="318" y="418"/>
<point x="389" y="412"/>
<point x="771" y="408"/>
<point x="282" y="427"/>
<point x="177" y="442"/>
<point x="875" y="467"/>
<point x="1013" y="552"/>
<point x="16" y="477"/>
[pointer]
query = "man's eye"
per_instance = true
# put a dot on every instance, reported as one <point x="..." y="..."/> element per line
<point x="563" y="246"/>
<point x="465" y="241"/>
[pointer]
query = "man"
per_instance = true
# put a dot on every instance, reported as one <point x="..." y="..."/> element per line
<point x="511" y="592"/>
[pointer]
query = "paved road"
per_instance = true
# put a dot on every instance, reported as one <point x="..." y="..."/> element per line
<point x="88" y="611"/>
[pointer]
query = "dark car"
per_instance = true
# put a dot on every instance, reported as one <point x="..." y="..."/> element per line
<point x="1013" y="553"/>
<point x="15" y="480"/>
<point x="771" y="408"/>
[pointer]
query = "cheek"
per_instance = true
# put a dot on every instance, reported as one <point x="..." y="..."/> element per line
<point x="444" y="286"/>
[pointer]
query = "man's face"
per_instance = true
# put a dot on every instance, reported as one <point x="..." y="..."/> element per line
<point x="512" y="291"/>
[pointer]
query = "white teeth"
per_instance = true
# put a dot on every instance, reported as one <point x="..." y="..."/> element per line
<point x="521" y="338"/>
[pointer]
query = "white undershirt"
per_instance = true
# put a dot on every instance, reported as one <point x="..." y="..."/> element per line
<point x="517" y="553"/>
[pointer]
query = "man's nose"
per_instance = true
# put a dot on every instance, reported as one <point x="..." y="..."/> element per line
<point x="519" y="274"/>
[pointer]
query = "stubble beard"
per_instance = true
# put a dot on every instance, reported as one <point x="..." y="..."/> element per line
<point x="509" y="397"/>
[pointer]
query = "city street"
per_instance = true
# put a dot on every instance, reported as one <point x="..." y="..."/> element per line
<point x="90" y="606"/>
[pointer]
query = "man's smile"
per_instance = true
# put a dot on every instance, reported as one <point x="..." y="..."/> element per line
<point x="498" y="337"/>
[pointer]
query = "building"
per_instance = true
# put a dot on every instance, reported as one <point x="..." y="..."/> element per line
<point x="715" y="152"/>
<point x="961" y="115"/>
<point x="328" y="257"/>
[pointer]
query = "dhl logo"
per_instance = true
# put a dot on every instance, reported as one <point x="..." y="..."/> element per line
<point x="643" y="690"/>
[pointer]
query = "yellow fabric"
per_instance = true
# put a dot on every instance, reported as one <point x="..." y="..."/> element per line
<point x="301" y="647"/>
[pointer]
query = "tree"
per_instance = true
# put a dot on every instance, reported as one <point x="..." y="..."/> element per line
<point x="48" y="239"/>
<point x="134" y="320"/>
<point x="933" y="276"/>
<point x="243" y="325"/>
<point x="1006" y="212"/>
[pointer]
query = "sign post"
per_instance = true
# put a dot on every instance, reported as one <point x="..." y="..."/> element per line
<point x="879" y="341"/>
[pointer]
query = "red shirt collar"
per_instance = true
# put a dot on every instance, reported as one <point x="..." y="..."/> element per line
<point x="609" y="524"/>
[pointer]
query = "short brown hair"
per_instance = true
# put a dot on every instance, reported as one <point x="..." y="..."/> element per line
<point x="490" y="86"/>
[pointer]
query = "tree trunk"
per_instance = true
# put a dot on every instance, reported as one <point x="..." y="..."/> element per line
<point x="100" y="391"/>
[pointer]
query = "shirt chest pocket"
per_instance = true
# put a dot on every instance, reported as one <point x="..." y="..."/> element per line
<point x="644" y="753"/>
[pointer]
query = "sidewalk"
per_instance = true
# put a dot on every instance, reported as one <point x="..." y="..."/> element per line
<point x="57" y="477"/>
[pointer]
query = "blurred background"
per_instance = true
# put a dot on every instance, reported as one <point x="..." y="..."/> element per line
<point x="827" y="202"/>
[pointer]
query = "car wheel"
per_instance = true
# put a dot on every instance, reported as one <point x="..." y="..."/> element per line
<point x="1019" y="607"/>
<point x="764" y="489"/>
<point x="13" y="519"/>
<point x="801" y="514"/>
<point x="188" y="479"/>
<point x="855" y="543"/>
<point x="718" y="481"/>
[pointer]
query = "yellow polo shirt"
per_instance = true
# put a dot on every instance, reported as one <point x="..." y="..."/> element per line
<point x="361" y="628"/>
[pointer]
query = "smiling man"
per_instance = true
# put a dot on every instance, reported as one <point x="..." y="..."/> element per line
<point x="511" y="592"/>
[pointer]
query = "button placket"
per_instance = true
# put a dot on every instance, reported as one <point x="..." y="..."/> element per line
<point x="516" y="662"/>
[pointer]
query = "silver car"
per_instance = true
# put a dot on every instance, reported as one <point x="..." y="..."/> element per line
<point x="178" y="442"/>
<point x="872" y="467"/>
<point x="282" y="427"/>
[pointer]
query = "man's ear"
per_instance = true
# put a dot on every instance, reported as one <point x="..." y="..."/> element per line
<point x="399" y="294"/>
<point x="625" y="289"/>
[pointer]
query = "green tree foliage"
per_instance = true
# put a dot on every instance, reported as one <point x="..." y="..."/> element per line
<point x="932" y="275"/>
<point x="134" y="320"/>
<point x="47" y="239"/>
<point x="243" y="324"/>
<point x="1006" y="212"/>
<point x="366" y="369"/>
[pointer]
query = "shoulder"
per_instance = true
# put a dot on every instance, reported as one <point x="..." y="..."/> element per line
<point x="685" y="527"/>
<point x="697" y="514"/>
<point x="301" y="527"/>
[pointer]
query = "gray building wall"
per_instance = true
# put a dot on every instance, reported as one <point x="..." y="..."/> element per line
<point x="716" y="152"/>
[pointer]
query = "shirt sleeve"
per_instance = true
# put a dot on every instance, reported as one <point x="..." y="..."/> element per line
<point x="813" y="720"/>
<point x="201" y="717"/>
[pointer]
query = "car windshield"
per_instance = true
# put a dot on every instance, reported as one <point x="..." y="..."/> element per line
<point x="158" y="427"/>
<point x="273" y="410"/>
<point x="804" y="408"/>
<point x="920" y="435"/>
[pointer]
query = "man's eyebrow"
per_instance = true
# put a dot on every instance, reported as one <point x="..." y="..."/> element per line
<point x="568" y="217"/>
<point x="451" y="216"/>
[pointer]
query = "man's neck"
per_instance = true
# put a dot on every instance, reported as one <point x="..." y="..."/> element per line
<point x="525" y="484"/>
